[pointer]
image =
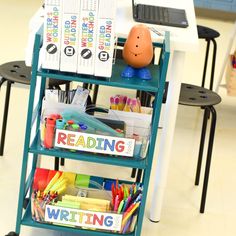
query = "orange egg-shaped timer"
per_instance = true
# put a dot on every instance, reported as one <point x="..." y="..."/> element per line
<point x="138" y="51"/>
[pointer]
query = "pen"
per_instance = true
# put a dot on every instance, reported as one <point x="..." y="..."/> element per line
<point x="126" y="226"/>
<point x="133" y="222"/>
<point x="136" y="195"/>
<point x="128" y="214"/>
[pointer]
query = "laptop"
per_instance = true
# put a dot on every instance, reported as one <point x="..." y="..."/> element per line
<point x="159" y="15"/>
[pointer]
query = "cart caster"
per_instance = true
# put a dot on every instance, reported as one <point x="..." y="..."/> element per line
<point x="12" y="234"/>
<point x="25" y="203"/>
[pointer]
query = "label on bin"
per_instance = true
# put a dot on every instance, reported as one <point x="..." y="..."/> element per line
<point x="82" y="218"/>
<point x="94" y="143"/>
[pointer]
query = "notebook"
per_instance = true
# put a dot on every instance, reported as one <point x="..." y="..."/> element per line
<point x="159" y="15"/>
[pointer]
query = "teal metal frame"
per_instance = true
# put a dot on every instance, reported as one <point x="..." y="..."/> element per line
<point x="156" y="85"/>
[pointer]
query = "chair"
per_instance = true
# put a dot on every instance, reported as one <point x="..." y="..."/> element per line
<point x="17" y="72"/>
<point x="191" y="95"/>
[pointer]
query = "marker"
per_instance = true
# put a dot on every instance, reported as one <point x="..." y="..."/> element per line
<point x="116" y="203"/>
<point x="120" y="206"/>
<point x="49" y="132"/>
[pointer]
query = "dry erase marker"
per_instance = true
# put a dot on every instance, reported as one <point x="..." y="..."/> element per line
<point x="49" y="132"/>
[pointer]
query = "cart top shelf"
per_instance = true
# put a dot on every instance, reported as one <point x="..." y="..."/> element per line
<point x="116" y="80"/>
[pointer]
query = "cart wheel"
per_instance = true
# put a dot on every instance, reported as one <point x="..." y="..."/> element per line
<point x="25" y="203"/>
<point x="12" y="234"/>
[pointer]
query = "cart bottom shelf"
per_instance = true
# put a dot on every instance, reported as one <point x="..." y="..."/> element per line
<point x="28" y="221"/>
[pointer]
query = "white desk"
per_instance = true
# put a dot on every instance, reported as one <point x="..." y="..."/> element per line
<point x="182" y="40"/>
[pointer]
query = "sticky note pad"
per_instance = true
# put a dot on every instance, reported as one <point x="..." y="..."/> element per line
<point x="70" y="177"/>
<point x="82" y="180"/>
<point x="96" y="182"/>
<point x="67" y="203"/>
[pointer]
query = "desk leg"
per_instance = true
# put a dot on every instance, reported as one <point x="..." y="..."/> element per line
<point x="175" y="74"/>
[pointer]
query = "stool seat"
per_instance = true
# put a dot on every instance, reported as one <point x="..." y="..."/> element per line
<point x="192" y="95"/>
<point x="18" y="72"/>
<point x="206" y="33"/>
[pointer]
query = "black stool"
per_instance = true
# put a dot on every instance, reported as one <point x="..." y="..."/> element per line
<point x="192" y="95"/>
<point x="18" y="72"/>
<point x="209" y="35"/>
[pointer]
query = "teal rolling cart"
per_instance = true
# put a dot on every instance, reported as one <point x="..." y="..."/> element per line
<point x="156" y="85"/>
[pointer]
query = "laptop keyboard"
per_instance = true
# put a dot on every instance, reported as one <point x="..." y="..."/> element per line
<point x="154" y="14"/>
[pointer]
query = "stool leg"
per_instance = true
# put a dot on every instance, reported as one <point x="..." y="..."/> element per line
<point x="67" y="87"/>
<point x="201" y="147"/>
<point x="208" y="160"/>
<point x="139" y="175"/>
<point x="138" y="94"/>
<point x="205" y="63"/>
<point x="2" y="81"/>
<point x="5" y="115"/>
<point x="85" y="85"/>
<point x="213" y="63"/>
<point x="133" y="173"/>
<point x="148" y="100"/>
<point x="56" y="163"/>
<point x="95" y="93"/>
<point x="143" y="98"/>
<point x="62" y="161"/>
